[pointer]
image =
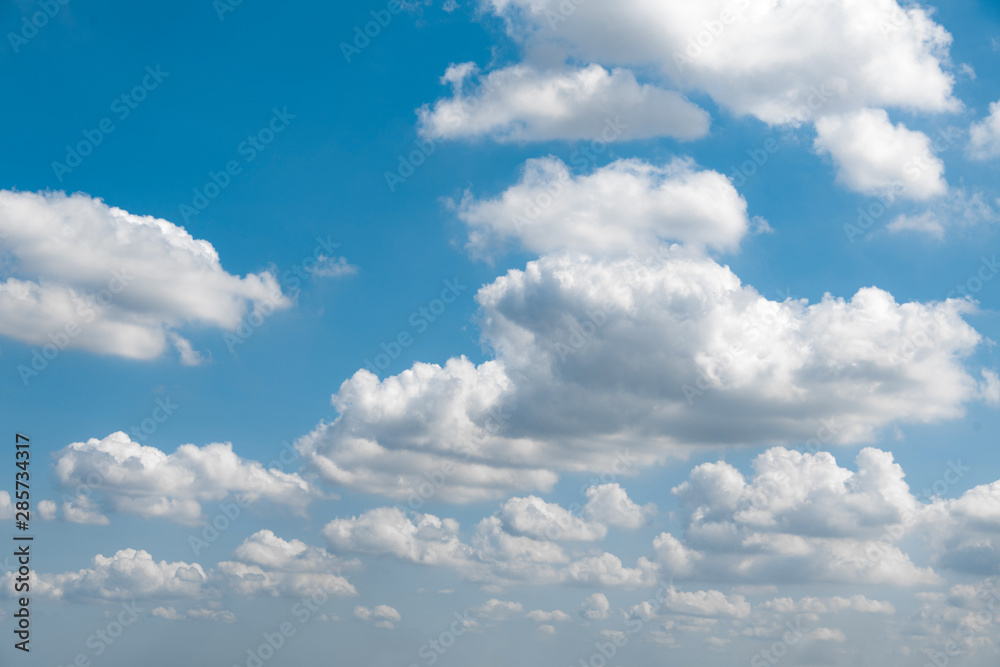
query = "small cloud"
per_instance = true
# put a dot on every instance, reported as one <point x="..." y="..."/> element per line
<point x="333" y="267"/>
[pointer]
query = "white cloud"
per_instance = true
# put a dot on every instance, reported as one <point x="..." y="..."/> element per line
<point x="609" y="504"/>
<point x="83" y="509"/>
<point x="427" y="540"/>
<point x="621" y="208"/>
<point x="665" y="355"/>
<point x="214" y="615"/>
<point x="705" y="603"/>
<point x="333" y="267"/>
<point x="47" y="509"/>
<point x="123" y="283"/>
<point x="199" y="614"/>
<point x="267" y="564"/>
<point x="875" y="157"/>
<point x="128" y="574"/>
<point x="167" y="613"/>
<point x="595" y="607"/>
<point x="390" y="440"/>
<point x="497" y="610"/>
<point x="125" y="476"/>
<point x="383" y="615"/>
<point x="6" y="508"/>
<point x="536" y="518"/>
<point x="767" y="59"/>
<point x="832" y="605"/>
<point x="540" y="616"/>
<point x="267" y="550"/>
<point x="492" y="555"/>
<point x="984" y="136"/>
<point x="783" y="63"/>
<point x="801" y="518"/>
<point x="522" y="103"/>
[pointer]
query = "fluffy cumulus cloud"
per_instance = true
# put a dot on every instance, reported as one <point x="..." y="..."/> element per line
<point x="874" y="156"/>
<point x="873" y="53"/>
<point x="965" y="532"/>
<point x="523" y="103"/>
<point x="490" y="555"/>
<point x="119" y="475"/>
<point x="595" y="607"/>
<point x="263" y="564"/>
<point x="705" y="603"/>
<point x="550" y="209"/>
<point x="959" y="210"/>
<point x="664" y="355"/>
<point x="801" y="517"/>
<point x="833" y="605"/>
<point x="984" y="135"/>
<point x="128" y="574"/>
<point x="79" y="273"/>
<point x="840" y="63"/>
<point x="607" y="505"/>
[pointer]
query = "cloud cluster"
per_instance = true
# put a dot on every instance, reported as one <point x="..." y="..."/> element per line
<point x="875" y="157"/>
<point x="383" y="615"/>
<point x="607" y="505"/>
<point x="101" y="279"/>
<point x="117" y="474"/>
<point x="618" y="209"/>
<point x="263" y="564"/>
<point x="665" y="354"/>
<point x="490" y="555"/>
<point x="801" y="518"/>
<point x="984" y="135"/>
<point x="523" y="103"/>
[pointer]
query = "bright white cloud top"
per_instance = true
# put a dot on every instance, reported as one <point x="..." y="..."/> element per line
<point x="82" y="274"/>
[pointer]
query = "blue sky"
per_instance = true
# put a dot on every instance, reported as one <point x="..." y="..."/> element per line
<point x="637" y="347"/>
